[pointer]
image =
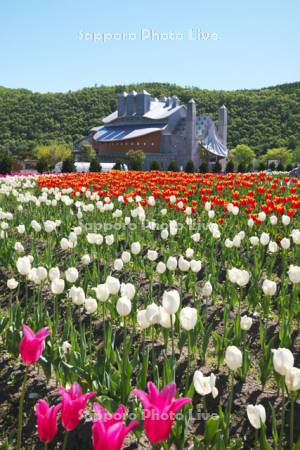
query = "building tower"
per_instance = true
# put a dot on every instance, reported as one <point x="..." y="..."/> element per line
<point x="122" y="104"/>
<point x="192" y="147"/>
<point x="222" y="124"/>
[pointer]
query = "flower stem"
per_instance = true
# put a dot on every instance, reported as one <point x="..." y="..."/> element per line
<point x="65" y="440"/>
<point x="21" y="406"/>
<point x="292" y="422"/>
<point x="173" y="347"/>
<point x="229" y="406"/>
<point x="282" y="415"/>
<point x="46" y="446"/>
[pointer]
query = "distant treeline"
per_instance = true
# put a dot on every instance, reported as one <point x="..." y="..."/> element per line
<point x="263" y="118"/>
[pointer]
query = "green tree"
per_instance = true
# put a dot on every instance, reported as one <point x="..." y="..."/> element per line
<point x="6" y="163"/>
<point x="281" y="154"/>
<point x="136" y="158"/>
<point x="87" y="151"/>
<point x="53" y="153"/>
<point x="203" y="168"/>
<point x="296" y="156"/>
<point x="242" y="154"/>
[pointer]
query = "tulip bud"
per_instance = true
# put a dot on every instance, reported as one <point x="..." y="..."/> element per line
<point x="246" y="323"/>
<point x="233" y="358"/>
<point x="71" y="274"/>
<point x="113" y="285"/>
<point x="57" y="286"/>
<point x="171" y="301"/>
<point x="294" y="274"/>
<point x="90" y="305"/>
<point x="102" y="292"/>
<point x="123" y="306"/>
<point x="283" y="360"/>
<point x="188" y="318"/>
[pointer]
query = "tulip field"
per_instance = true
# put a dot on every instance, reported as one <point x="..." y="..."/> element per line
<point x="148" y="310"/>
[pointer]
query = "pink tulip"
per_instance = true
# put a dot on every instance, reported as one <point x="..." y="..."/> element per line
<point x="33" y="344"/>
<point x="73" y="405"/>
<point x="109" y="430"/>
<point x="159" y="410"/>
<point x="46" y="420"/>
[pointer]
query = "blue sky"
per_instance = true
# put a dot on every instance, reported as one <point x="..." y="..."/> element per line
<point x="44" y="45"/>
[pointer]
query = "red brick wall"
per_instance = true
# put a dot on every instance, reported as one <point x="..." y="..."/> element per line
<point x="147" y="143"/>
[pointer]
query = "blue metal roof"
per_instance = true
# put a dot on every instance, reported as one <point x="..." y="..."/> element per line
<point x="115" y="133"/>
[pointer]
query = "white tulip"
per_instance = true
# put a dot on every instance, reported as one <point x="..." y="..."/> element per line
<point x="102" y="292"/>
<point x="189" y="253"/>
<point x="188" y="318"/>
<point x="19" y="247"/>
<point x="126" y="257"/>
<point x="135" y="248"/>
<point x="256" y="415"/>
<point x="295" y="234"/>
<point x="118" y="264"/>
<point x="172" y="263"/>
<point x="142" y="319"/>
<point x="165" y="318"/>
<point x="294" y="274"/>
<point x="285" y="243"/>
<point x="90" y="305"/>
<point x="205" y="385"/>
<point x="250" y="223"/>
<point x="54" y="272"/>
<point x="264" y="238"/>
<point x="292" y="379"/>
<point x="233" y="357"/>
<point x="283" y="360"/>
<point x="161" y="268"/>
<point x="66" y="347"/>
<point x="23" y="265"/>
<point x="123" y="306"/>
<point x="196" y="265"/>
<point x="269" y="287"/>
<point x="196" y="237"/>
<point x="153" y="314"/>
<point x="152" y="255"/>
<point x="183" y="264"/>
<point x="85" y="259"/>
<point x="21" y="229"/>
<point x="77" y="295"/>
<point x="273" y="247"/>
<point x="12" y="283"/>
<point x="246" y="323"/>
<point x="36" y="226"/>
<point x="41" y="274"/>
<point x="164" y="234"/>
<point x="113" y="285"/>
<point x="207" y="289"/>
<point x="237" y="276"/>
<point x="286" y="220"/>
<point x="128" y="290"/>
<point x="71" y="274"/>
<point x="273" y="220"/>
<point x="57" y="286"/>
<point x="228" y="243"/>
<point x="171" y="301"/>
<point x="254" y="240"/>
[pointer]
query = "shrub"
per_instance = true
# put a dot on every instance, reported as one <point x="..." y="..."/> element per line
<point x="217" y="167"/>
<point x="173" y="167"/>
<point x="203" y="168"/>
<point x="155" y="165"/>
<point x="190" y="166"/>
<point x="42" y="165"/>
<point x="6" y="163"/>
<point x="230" y="167"/>
<point x="95" y="166"/>
<point x="241" y="168"/>
<point x="68" y="166"/>
<point x="280" y="167"/>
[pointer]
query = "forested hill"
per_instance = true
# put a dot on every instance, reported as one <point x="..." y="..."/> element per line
<point x="263" y="118"/>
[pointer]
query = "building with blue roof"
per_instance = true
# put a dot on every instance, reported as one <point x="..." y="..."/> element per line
<point x="164" y="129"/>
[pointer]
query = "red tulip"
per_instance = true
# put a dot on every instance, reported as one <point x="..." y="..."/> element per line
<point x="46" y="420"/>
<point x="33" y="344"/>
<point x="73" y="405"/>
<point x="159" y="410"/>
<point x="109" y="430"/>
